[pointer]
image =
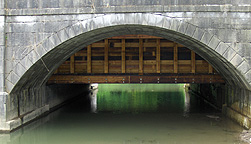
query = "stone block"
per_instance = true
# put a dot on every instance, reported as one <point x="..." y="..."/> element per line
<point x="248" y="76"/>
<point x="206" y="38"/>
<point x="55" y="40"/>
<point x="9" y="86"/>
<point x="47" y="44"/>
<point x="182" y="27"/>
<point x="175" y="24"/>
<point x="244" y="49"/>
<point x="198" y="33"/>
<point x="20" y="39"/>
<point x="26" y="62"/>
<point x="167" y="22"/>
<point x="19" y="69"/>
<point x="33" y="4"/>
<point x="13" y="78"/>
<point x="33" y="56"/>
<point x="236" y="60"/>
<point x="159" y="20"/>
<point x="214" y="42"/>
<point x="244" y="36"/>
<point x="77" y="28"/>
<point x="129" y="18"/>
<point x="67" y="4"/>
<point x="140" y="18"/>
<point x="221" y="48"/>
<point x="50" y="4"/>
<point x="244" y="67"/>
<point x="229" y="53"/>
<point x="40" y="50"/>
<point x="190" y="30"/>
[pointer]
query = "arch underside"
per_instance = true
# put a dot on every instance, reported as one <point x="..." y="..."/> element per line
<point x="54" y="58"/>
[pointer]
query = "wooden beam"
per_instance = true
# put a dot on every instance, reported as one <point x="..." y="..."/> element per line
<point x="106" y="62"/>
<point x="123" y="62"/>
<point x="193" y="61"/>
<point x="141" y="56"/>
<point x="158" y="55"/>
<point x="175" y="58"/>
<point x="210" y="69"/>
<point x="89" y="59"/>
<point x="72" y="64"/>
<point x="175" y="78"/>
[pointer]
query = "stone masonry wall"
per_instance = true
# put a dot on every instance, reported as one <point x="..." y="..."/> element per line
<point x="28" y="23"/>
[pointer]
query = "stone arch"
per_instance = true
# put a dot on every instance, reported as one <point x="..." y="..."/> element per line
<point x="37" y="66"/>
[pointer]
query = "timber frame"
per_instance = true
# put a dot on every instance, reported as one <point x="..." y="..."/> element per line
<point x="135" y="59"/>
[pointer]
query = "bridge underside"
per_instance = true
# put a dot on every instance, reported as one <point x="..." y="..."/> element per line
<point x="135" y="59"/>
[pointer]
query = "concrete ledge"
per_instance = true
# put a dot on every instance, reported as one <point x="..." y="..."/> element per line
<point x="13" y="124"/>
<point x="236" y="116"/>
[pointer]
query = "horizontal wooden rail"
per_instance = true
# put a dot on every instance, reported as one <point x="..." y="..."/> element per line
<point x="173" y="78"/>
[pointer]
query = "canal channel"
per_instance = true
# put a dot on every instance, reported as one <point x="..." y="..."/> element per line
<point x="131" y="114"/>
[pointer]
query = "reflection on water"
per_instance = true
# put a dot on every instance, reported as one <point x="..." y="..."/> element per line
<point x="130" y="114"/>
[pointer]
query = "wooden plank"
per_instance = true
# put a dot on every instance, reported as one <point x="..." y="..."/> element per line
<point x="72" y="64"/>
<point x="210" y="69"/>
<point x="158" y="55"/>
<point x="89" y="59"/>
<point x="106" y="68"/>
<point x="175" y="58"/>
<point x="175" y="78"/>
<point x="141" y="56"/>
<point x="123" y="66"/>
<point x="193" y="61"/>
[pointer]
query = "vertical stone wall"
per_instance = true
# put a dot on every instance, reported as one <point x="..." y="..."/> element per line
<point x="234" y="101"/>
<point x="3" y="95"/>
<point x="32" y="102"/>
<point x="213" y="93"/>
<point x="2" y="45"/>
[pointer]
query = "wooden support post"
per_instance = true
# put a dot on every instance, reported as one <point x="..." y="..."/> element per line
<point x="175" y="58"/>
<point x="123" y="56"/>
<point x="141" y="56"/>
<point x="106" y="68"/>
<point x="210" y="68"/>
<point x="89" y="59"/>
<point x="72" y="64"/>
<point x="193" y="61"/>
<point x="158" y="56"/>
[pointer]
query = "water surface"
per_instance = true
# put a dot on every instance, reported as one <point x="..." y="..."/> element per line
<point x="131" y="114"/>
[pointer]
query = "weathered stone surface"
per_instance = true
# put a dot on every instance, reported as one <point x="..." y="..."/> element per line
<point x="40" y="34"/>
<point x="198" y="33"/>
<point x="222" y="47"/>
<point x="236" y="60"/>
<point x="229" y="53"/>
<point x="244" y="67"/>
<point x="206" y="38"/>
<point x="214" y="42"/>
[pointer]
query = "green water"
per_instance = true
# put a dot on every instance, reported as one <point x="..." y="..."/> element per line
<point x="130" y="114"/>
